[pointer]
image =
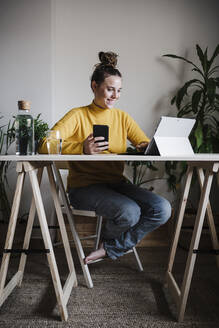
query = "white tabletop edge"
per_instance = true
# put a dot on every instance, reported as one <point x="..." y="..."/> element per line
<point x="110" y="157"/>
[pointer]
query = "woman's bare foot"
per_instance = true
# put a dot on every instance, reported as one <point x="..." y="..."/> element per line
<point x="95" y="255"/>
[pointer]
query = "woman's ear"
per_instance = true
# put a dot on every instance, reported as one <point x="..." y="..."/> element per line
<point x="93" y="86"/>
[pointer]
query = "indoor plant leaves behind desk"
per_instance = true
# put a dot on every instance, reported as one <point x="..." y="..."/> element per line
<point x="198" y="98"/>
<point x="7" y="137"/>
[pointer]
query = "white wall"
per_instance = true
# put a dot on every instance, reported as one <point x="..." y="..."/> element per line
<point x="140" y="31"/>
<point x="25" y="56"/>
<point x="25" y="65"/>
<point x="48" y="49"/>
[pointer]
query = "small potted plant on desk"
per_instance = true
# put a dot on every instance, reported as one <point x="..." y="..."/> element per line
<point x="40" y="129"/>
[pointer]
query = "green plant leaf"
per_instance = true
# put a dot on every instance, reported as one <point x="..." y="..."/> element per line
<point x="6" y="139"/>
<point x="151" y="166"/>
<point x="213" y="70"/>
<point x="186" y="60"/>
<point x="170" y="168"/>
<point x="215" y="54"/>
<point x="179" y="57"/>
<point x="40" y="128"/>
<point x="206" y="147"/>
<point x="213" y="120"/>
<point x="217" y="81"/>
<point x="185" y="110"/>
<point x="198" y="135"/>
<point x="183" y="91"/>
<point x="173" y="100"/>
<point x="211" y="88"/>
<point x="1" y="140"/>
<point x="199" y="71"/>
<point x="202" y="57"/>
<point x="183" y="169"/>
<point x="196" y="99"/>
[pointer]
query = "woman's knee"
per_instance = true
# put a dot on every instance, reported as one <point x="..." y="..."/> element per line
<point x="129" y="214"/>
<point x="163" y="210"/>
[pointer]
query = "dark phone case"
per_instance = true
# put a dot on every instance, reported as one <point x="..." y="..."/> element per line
<point x="101" y="131"/>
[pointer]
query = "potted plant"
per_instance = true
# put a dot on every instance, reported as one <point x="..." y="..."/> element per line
<point x="7" y="137"/>
<point x="198" y="98"/>
<point x="40" y="129"/>
<point x="139" y="169"/>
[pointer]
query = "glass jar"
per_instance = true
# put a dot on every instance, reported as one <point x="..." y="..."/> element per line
<point x="24" y="129"/>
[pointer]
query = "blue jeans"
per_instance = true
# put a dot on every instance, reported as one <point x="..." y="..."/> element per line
<point x="131" y="212"/>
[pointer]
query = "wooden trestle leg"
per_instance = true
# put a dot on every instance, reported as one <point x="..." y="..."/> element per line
<point x="180" y="295"/>
<point x="62" y="294"/>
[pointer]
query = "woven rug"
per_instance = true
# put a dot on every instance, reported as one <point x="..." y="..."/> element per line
<point x="122" y="296"/>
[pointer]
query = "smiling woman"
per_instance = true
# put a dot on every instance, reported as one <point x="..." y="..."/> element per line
<point x="106" y="81"/>
<point x="131" y="212"/>
<point x="107" y="92"/>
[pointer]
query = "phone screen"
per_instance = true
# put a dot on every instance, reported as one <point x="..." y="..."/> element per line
<point x="101" y="131"/>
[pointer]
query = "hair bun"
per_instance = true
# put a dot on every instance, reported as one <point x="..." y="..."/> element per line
<point x="108" y="58"/>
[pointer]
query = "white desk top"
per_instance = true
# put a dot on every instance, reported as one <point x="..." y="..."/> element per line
<point x="112" y="157"/>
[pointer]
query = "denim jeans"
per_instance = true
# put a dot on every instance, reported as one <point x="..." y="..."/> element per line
<point x="130" y="212"/>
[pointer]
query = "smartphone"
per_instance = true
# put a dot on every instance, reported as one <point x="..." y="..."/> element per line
<point x="101" y="131"/>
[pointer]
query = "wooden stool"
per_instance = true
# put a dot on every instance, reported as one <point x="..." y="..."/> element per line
<point x="70" y="212"/>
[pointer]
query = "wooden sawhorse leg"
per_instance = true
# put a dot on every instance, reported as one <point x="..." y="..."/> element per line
<point x="6" y="291"/>
<point x="62" y="294"/>
<point x="181" y="296"/>
<point x="211" y="224"/>
<point x="28" y="231"/>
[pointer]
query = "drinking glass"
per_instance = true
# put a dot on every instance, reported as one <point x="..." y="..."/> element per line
<point x="54" y="142"/>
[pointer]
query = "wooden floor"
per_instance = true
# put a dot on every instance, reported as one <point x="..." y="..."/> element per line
<point x="86" y="226"/>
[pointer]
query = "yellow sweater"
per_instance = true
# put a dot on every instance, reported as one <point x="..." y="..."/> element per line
<point x="75" y="127"/>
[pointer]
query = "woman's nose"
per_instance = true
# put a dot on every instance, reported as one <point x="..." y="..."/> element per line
<point x="115" y="94"/>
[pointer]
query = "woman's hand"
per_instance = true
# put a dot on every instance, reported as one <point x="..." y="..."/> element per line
<point x="142" y="146"/>
<point x="94" y="145"/>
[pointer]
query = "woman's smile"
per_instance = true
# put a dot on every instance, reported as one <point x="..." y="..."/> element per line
<point x="108" y="92"/>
